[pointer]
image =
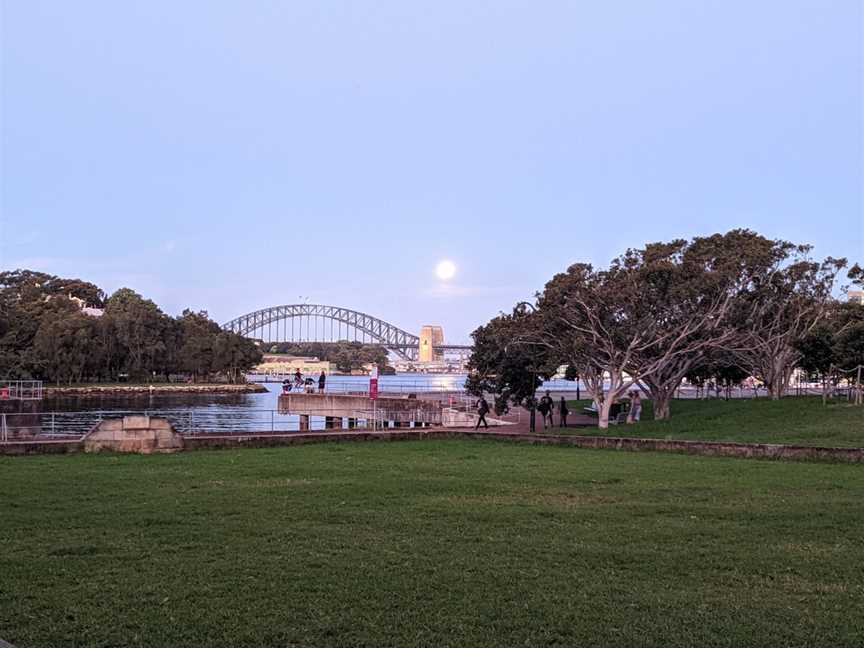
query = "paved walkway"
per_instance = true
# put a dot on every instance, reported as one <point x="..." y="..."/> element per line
<point x="520" y="420"/>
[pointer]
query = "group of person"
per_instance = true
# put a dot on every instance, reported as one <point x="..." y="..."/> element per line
<point x="304" y="384"/>
<point x="546" y="406"/>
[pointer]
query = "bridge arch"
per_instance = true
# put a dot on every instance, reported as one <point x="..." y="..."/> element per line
<point x="372" y="329"/>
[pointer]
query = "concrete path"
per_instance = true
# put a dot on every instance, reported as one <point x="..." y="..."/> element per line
<point x="520" y="420"/>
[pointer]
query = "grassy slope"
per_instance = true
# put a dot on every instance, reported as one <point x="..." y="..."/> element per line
<point x="437" y="543"/>
<point x="801" y="421"/>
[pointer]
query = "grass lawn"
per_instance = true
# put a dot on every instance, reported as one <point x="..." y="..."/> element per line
<point x="435" y="543"/>
<point x="796" y="421"/>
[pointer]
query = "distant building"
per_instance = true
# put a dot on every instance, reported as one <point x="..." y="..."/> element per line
<point x="90" y="311"/>
<point x="856" y="296"/>
<point x="281" y="363"/>
<point x="430" y="337"/>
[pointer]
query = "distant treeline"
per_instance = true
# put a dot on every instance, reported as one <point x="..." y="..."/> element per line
<point x="347" y="356"/>
<point x="68" y="330"/>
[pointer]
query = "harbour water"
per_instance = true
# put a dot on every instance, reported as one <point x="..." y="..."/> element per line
<point x="215" y="413"/>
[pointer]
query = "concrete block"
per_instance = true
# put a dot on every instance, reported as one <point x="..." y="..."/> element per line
<point x="137" y="434"/>
<point x="136" y="423"/>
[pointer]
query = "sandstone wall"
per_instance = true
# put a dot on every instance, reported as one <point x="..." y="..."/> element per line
<point x="138" y="434"/>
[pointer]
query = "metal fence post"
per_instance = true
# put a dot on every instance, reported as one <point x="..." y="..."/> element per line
<point x="272" y="421"/>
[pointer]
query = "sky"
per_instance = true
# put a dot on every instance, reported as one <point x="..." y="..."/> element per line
<point x="231" y="156"/>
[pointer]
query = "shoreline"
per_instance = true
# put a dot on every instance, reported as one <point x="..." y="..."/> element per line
<point x="156" y="388"/>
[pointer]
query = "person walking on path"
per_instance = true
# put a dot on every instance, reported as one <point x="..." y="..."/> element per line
<point x="322" y="379"/>
<point x="546" y="406"/>
<point x="635" y="407"/>
<point x="482" y="411"/>
<point x="563" y="412"/>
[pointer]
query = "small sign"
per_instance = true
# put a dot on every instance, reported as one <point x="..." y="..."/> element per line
<point x="373" y="383"/>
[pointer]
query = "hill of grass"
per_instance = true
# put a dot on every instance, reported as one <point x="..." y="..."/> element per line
<point x="796" y="421"/>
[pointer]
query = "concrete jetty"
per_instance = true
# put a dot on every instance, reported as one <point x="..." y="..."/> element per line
<point x="401" y="412"/>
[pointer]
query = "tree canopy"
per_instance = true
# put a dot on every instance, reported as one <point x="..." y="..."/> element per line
<point x="46" y="334"/>
<point x="724" y="305"/>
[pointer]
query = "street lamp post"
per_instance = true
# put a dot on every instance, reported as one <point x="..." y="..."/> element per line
<point x="532" y="422"/>
<point x="532" y="401"/>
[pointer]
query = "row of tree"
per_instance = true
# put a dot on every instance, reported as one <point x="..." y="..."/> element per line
<point x="729" y="305"/>
<point x="68" y="331"/>
<point x="347" y="356"/>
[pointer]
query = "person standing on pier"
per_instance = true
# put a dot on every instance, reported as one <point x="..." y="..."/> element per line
<point x="322" y="379"/>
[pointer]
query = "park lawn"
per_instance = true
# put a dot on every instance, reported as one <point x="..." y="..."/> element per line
<point x="429" y="543"/>
<point x="795" y="421"/>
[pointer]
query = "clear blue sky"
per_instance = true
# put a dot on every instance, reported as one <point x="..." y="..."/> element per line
<point x="233" y="155"/>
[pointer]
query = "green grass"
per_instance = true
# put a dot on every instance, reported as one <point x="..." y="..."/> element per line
<point x="436" y="543"/>
<point x="796" y="421"/>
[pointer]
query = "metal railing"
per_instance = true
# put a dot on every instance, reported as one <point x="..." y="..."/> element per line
<point x="385" y="419"/>
<point x="360" y="385"/>
<point x="21" y="390"/>
<point x="73" y="426"/>
<point x="26" y="426"/>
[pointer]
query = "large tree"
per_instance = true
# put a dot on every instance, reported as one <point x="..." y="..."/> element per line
<point x="28" y="301"/>
<point x="200" y="341"/>
<point x="66" y="348"/>
<point x="782" y="305"/>
<point x="684" y="297"/>
<point x="834" y="349"/>
<point x="584" y="321"/>
<point x="509" y="359"/>
<point x="235" y="355"/>
<point x="137" y="325"/>
<point x="653" y="316"/>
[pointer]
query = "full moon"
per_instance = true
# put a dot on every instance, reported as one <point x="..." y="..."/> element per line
<point x="445" y="270"/>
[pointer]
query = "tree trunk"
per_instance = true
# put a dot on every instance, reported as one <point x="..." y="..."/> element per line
<point x="662" y="395"/>
<point x="662" y="405"/>
<point x="603" y="413"/>
<point x="777" y="386"/>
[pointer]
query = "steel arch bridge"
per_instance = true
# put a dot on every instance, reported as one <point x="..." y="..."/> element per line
<point x="365" y="328"/>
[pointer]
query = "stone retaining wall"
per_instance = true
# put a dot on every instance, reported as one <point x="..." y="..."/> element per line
<point x="138" y="434"/>
<point x="704" y="448"/>
<point x="40" y="447"/>
<point x="158" y="388"/>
